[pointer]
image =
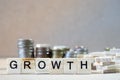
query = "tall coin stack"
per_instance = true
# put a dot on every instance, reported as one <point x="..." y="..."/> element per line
<point x="26" y="48"/>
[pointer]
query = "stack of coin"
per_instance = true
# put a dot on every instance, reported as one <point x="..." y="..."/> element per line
<point x="59" y="51"/>
<point x="70" y="54"/>
<point x="80" y="51"/>
<point x="43" y="51"/>
<point x="26" y="48"/>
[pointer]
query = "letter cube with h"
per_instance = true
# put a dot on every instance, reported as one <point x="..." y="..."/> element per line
<point x="84" y="66"/>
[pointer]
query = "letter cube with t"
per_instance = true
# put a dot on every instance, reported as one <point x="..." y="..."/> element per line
<point x="84" y="65"/>
<point x="14" y="65"/>
<point x="28" y="65"/>
<point x="70" y="65"/>
<point x="42" y="65"/>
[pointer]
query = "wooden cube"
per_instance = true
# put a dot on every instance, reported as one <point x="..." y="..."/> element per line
<point x="42" y="65"/>
<point x="28" y="65"/>
<point x="70" y="65"/>
<point x="56" y="66"/>
<point x="84" y="65"/>
<point x="13" y="65"/>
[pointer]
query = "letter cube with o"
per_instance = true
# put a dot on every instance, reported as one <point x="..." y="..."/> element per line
<point x="42" y="65"/>
<point x="14" y="65"/>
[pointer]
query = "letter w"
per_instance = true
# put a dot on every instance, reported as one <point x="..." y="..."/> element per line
<point x="56" y="64"/>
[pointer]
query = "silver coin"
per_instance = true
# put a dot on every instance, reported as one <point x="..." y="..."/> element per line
<point x="26" y="48"/>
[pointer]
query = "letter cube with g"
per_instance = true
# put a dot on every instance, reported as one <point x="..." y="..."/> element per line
<point x="14" y="65"/>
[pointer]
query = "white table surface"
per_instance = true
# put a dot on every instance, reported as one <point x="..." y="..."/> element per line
<point x="60" y="77"/>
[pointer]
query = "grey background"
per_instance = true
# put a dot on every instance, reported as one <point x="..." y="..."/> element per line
<point x="92" y="23"/>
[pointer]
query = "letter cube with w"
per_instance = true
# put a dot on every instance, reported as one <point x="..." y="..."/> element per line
<point x="57" y="65"/>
